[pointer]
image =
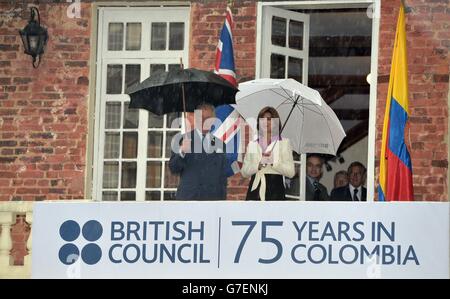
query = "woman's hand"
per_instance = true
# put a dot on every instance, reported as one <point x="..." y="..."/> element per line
<point x="267" y="158"/>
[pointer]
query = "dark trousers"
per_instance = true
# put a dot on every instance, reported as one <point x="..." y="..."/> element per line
<point x="274" y="188"/>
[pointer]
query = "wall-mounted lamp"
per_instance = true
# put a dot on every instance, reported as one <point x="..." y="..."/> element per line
<point x="34" y="37"/>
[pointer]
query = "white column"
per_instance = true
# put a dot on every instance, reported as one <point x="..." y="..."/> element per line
<point x="29" y="220"/>
<point x="6" y="220"/>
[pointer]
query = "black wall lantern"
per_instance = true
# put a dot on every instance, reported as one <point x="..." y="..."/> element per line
<point x="34" y="37"/>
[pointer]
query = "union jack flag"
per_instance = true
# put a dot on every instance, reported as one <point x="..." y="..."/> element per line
<point x="229" y="129"/>
<point x="224" y="53"/>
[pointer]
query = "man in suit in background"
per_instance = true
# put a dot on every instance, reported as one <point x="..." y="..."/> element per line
<point x="201" y="162"/>
<point x="314" y="190"/>
<point x="355" y="190"/>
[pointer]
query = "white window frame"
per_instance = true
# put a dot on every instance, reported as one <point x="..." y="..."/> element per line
<point x="269" y="48"/>
<point x="144" y="57"/>
<point x="375" y="5"/>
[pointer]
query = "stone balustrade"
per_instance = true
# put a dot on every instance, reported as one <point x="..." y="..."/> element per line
<point x="8" y="214"/>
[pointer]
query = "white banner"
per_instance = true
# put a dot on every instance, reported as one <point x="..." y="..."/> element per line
<point x="240" y="240"/>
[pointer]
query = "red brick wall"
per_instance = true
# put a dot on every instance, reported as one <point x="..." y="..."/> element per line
<point x="43" y="111"/>
<point x="428" y="42"/>
<point x="207" y="18"/>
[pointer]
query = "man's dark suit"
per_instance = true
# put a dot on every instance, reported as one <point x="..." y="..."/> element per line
<point x="310" y="191"/>
<point x="202" y="174"/>
<point x="343" y="194"/>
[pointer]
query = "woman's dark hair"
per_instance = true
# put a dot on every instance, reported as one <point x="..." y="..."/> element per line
<point x="273" y="113"/>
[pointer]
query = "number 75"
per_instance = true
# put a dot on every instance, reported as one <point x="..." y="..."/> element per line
<point x="264" y="239"/>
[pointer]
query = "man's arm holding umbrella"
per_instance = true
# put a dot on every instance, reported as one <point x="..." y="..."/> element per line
<point x="177" y="160"/>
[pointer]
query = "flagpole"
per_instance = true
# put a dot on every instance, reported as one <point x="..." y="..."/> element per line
<point x="406" y="8"/>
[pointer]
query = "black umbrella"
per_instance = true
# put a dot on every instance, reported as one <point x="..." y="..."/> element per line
<point x="181" y="90"/>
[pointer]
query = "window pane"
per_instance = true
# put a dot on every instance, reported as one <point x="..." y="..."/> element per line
<point x="153" y="174"/>
<point x="109" y="196"/>
<point x="127" y="196"/>
<point x="295" y="35"/>
<point x="130" y="142"/>
<point x="115" y="36"/>
<point x="176" y="36"/>
<point x="112" y="119"/>
<point x="152" y="195"/>
<point x="132" y="74"/>
<point x="169" y="136"/>
<point x="170" y="195"/>
<point x="110" y="174"/>
<point x="112" y="145"/>
<point x="277" y="66"/>
<point x="174" y="120"/>
<point x="154" y="148"/>
<point x="155" y="121"/>
<point x="170" y="180"/>
<point x="340" y="56"/>
<point x="173" y="67"/>
<point x="130" y="117"/>
<point x="128" y="175"/>
<point x="158" y="38"/>
<point x="133" y="36"/>
<point x="295" y="68"/>
<point x="114" y="79"/>
<point x="157" y="67"/>
<point x="279" y="31"/>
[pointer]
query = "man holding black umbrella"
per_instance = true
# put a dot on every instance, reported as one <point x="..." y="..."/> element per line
<point x="200" y="161"/>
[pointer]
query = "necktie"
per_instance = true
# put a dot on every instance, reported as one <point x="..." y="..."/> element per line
<point x="355" y="197"/>
<point x="316" y="191"/>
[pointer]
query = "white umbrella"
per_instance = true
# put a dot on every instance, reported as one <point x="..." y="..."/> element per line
<point x="307" y="121"/>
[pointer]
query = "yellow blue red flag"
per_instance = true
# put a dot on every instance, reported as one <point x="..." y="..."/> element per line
<point x="395" y="180"/>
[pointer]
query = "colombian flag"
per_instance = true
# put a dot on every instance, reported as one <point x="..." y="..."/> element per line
<point x="395" y="162"/>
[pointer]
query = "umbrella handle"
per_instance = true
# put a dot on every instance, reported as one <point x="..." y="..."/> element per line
<point x="184" y="105"/>
<point x="184" y="97"/>
<point x="181" y="63"/>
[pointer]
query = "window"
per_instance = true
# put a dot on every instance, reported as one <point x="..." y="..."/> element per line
<point x="132" y="146"/>
<point x="329" y="48"/>
<point x="285" y="55"/>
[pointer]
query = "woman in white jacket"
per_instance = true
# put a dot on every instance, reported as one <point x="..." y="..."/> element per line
<point x="268" y="159"/>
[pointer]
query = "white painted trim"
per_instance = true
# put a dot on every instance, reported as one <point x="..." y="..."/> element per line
<point x="371" y="184"/>
<point x="90" y="138"/>
<point x="141" y="169"/>
<point x="96" y="191"/>
<point x="259" y="18"/>
<point x="329" y="4"/>
<point x="371" y="150"/>
<point x="142" y="4"/>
